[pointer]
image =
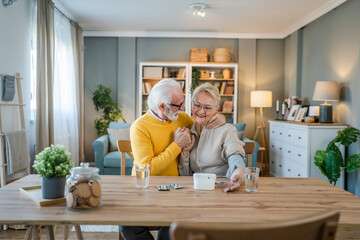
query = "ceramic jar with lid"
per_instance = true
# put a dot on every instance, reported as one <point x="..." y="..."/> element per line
<point x="83" y="188"/>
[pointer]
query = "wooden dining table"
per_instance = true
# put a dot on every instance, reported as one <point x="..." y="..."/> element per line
<point x="277" y="199"/>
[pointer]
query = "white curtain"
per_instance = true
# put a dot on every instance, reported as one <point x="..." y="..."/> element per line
<point x="64" y="89"/>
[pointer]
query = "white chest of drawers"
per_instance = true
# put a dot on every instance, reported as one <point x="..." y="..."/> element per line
<point x="293" y="146"/>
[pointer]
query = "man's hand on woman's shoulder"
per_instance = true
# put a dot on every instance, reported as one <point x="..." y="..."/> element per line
<point x="216" y="121"/>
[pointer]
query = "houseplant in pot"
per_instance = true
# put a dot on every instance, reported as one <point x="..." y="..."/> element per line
<point x="331" y="161"/>
<point x="111" y="111"/>
<point x="53" y="164"/>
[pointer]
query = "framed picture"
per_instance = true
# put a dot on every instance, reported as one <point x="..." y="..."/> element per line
<point x="301" y="114"/>
<point x="306" y="109"/>
<point x="293" y="111"/>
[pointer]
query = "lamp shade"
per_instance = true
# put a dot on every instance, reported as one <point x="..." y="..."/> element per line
<point x="261" y="99"/>
<point x="326" y="91"/>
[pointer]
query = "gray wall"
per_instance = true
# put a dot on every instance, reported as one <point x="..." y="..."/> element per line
<point x="106" y="58"/>
<point x="100" y="67"/>
<point x="270" y="74"/>
<point x="331" y="52"/>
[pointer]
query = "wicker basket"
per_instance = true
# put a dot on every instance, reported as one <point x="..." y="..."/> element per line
<point x="222" y="55"/>
<point x="198" y="55"/>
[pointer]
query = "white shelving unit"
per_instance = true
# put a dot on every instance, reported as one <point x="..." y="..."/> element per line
<point x="189" y="66"/>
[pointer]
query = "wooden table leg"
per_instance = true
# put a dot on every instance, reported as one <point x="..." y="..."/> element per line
<point x="28" y="234"/>
<point x="66" y="231"/>
<point x="36" y="232"/>
<point x="50" y="232"/>
<point x="78" y="232"/>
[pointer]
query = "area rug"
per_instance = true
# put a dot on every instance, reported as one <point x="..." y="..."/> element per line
<point x="98" y="228"/>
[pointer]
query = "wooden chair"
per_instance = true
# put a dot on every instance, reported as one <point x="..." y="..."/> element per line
<point x="124" y="146"/>
<point x="249" y="148"/>
<point x="315" y="227"/>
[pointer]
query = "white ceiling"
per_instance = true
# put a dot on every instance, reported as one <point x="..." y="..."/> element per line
<point x="172" y="18"/>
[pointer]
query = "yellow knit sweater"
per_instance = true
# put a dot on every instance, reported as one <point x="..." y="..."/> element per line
<point x="152" y="142"/>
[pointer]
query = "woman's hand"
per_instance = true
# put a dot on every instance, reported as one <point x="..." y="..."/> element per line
<point x="237" y="177"/>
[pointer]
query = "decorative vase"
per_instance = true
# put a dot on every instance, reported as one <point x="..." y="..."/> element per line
<point x="226" y="73"/>
<point x="53" y="187"/>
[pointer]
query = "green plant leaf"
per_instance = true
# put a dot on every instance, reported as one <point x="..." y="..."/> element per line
<point x="335" y="153"/>
<point x="319" y="159"/>
<point x="332" y="167"/>
<point x="352" y="162"/>
<point x="347" y="136"/>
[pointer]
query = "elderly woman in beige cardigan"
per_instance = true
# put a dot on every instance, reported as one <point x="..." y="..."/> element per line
<point x="217" y="151"/>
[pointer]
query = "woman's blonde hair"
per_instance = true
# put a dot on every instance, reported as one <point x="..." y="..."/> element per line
<point x="209" y="88"/>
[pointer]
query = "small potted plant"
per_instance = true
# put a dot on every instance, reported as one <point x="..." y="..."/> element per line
<point x="53" y="164"/>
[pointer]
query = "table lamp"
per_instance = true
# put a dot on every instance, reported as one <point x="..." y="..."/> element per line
<point x="326" y="91"/>
<point x="261" y="99"/>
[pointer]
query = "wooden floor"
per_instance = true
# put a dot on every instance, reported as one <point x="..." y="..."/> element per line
<point x="59" y="234"/>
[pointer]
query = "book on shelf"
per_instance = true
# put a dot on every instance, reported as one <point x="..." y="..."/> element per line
<point x="143" y="88"/>
<point x="148" y="87"/>
<point x="222" y="88"/>
<point x="228" y="106"/>
<point x="182" y="73"/>
<point x="229" y="88"/>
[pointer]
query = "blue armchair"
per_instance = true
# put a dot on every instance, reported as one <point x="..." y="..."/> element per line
<point x="109" y="161"/>
<point x="240" y="127"/>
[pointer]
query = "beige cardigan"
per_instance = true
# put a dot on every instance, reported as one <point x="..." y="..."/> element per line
<point x="212" y="150"/>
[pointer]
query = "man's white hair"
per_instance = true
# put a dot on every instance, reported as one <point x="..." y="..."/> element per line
<point x="209" y="88"/>
<point x="162" y="93"/>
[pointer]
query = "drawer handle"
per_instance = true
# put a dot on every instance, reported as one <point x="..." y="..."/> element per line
<point x="299" y="137"/>
<point x="272" y="161"/>
<point x="280" y="133"/>
<point x="289" y="170"/>
<point x="280" y="165"/>
<point x="272" y="131"/>
<point x="280" y="148"/>
<point x="299" y="175"/>
<point x="289" y="135"/>
<point x="272" y="146"/>
<point x="299" y="155"/>
<point x="289" y="151"/>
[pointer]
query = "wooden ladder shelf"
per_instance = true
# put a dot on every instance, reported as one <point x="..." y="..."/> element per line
<point x="22" y="121"/>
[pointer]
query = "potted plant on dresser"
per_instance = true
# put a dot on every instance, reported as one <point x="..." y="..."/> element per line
<point x="331" y="162"/>
<point x="53" y="164"/>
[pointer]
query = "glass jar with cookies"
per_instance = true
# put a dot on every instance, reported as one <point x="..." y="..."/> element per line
<point x="83" y="188"/>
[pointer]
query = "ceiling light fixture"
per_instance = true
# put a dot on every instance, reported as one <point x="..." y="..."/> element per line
<point x="198" y="9"/>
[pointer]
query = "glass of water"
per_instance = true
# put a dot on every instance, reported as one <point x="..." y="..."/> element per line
<point x="142" y="175"/>
<point x="251" y="179"/>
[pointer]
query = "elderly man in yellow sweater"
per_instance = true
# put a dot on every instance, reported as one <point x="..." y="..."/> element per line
<point x="157" y="138"/>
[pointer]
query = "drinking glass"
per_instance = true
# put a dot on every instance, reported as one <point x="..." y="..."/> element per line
<point x="142" y="175"/>
<point x="251" y="179"/>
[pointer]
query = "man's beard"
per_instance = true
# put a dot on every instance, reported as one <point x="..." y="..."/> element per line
<point x="172" y="116"/>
